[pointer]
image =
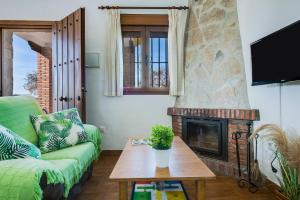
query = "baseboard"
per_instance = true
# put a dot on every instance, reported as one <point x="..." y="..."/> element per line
<point x="271" y="186"/>
<point x="275" y="189"/>
<point x="111" y="152"/>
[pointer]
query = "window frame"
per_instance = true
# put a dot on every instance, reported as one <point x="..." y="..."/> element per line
<point x="145" y="31"/>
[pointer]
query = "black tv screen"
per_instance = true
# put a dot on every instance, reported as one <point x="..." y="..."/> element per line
<point x="276" y="57"/>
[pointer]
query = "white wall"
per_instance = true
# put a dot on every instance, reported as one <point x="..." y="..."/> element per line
<point x="134" y="115"/>
<point x="259" y="18"/>
<point x="122" y="117"/>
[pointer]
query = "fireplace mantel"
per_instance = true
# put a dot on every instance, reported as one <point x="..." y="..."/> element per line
<point x="239" y="114"/>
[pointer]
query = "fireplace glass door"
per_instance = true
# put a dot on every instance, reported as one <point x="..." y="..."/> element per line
<point x="206" y="136"/>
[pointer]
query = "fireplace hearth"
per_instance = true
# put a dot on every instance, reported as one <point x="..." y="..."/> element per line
<point x="206" y="136"/>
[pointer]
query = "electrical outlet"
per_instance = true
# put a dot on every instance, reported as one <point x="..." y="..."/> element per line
<point x="103" y="129"/>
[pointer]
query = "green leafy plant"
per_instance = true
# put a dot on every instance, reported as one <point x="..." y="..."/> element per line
<point x="289" y="183"/>
<point x="161" y="137"/>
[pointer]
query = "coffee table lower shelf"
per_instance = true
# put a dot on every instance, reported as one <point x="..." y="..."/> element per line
<point x="200" y="190"/>
<point x="150" y="190"/>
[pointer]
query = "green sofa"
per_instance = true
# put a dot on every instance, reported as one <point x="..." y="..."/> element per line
<point x="74" y="164"/>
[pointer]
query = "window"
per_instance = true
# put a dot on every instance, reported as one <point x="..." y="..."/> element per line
<point x="145" y="55"/>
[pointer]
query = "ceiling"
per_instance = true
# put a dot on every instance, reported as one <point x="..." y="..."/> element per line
<point x="43" y="39"/>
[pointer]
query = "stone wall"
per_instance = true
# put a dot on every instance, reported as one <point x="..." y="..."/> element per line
<point x="214" y="70"/>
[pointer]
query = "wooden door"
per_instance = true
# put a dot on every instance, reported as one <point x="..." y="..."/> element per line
<point x="68" y="80"/>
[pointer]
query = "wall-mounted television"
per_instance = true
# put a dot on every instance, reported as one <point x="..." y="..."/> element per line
<point x="276" y="57"/>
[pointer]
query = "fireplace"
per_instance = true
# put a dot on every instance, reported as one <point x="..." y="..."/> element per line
<point x="206" y="136"/>
<point x="210" y="133"/>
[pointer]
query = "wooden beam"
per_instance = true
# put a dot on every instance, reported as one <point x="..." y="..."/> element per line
<point x="35" y="47"/>
<point x="20" y="24"/>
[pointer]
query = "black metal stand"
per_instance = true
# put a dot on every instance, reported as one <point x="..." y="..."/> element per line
<point x="245" y="182"/>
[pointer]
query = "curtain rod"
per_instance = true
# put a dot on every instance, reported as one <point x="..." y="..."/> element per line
<point x="143" y="8"/>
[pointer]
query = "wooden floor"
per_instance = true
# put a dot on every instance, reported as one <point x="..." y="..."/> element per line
<point x="223" y="188"/>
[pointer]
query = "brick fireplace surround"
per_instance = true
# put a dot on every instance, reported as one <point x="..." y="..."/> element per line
<point x="237" y="121"/>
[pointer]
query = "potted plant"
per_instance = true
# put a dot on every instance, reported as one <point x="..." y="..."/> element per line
<point x="160" y="140"/>
<point x="287" y="154"/>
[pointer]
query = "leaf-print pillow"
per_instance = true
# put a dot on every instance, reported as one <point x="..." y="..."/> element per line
<point x="59" y="130"/>
<point x="13" y="146"/>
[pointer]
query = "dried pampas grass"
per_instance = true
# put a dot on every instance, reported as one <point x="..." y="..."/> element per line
<point x="288" y="155"/>
<point x="288" y="143"/>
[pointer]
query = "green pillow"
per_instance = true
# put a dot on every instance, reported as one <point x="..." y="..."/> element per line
<point x="59" y="130"/>
<point x="13" y="146"/>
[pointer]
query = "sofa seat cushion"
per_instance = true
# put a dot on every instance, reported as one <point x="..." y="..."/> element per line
<point x="71" y="172"/>
<point x="84" y="154"/>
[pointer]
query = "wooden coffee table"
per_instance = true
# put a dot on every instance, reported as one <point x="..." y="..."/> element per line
<point x="137" y="163"/>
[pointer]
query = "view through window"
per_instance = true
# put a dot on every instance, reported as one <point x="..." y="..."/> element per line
<point x="24" y="68"/>
<point x="145" y="55"/>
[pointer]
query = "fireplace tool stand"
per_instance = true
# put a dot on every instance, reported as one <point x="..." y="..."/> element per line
<point x="244" y="182"/>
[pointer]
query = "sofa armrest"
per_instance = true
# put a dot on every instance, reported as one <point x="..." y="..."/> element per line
<point x="94" y="135"/>
<point x="51" y="191"/>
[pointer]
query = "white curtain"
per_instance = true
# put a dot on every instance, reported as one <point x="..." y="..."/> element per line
<point x="114" y="55"/>
<point x="177" y="24"/>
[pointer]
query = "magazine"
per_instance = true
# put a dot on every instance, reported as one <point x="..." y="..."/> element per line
<point x="139" y="141"/>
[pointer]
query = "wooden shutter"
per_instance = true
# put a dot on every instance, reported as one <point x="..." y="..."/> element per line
<point x="68" y="63"/>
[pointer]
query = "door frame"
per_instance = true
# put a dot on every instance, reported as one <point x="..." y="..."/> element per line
<point x="20" y="24"/>
<point x="48" y="25"/>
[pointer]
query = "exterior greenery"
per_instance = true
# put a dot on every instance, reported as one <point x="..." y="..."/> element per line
<point x="13" y="146"/>
<point x="59" y="130"/>
<point x="161" y="137"/>
<point x="31" y="83"/>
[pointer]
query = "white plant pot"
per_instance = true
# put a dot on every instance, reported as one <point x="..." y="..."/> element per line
<point x="162" y="158"/>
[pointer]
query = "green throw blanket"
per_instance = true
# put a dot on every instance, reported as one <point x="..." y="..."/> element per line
<point x="20" y="178"/>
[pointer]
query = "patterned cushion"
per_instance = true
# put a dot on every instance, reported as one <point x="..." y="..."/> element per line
<point x="13" y="146"/>
<point x="59" y="130"/>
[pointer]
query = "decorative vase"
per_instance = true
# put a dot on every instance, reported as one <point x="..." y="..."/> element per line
<point x="162" y="158"/>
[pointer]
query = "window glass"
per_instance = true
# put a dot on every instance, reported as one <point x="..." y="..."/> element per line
<point x="145" y="50"/>
<point x="132" y="50"/>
